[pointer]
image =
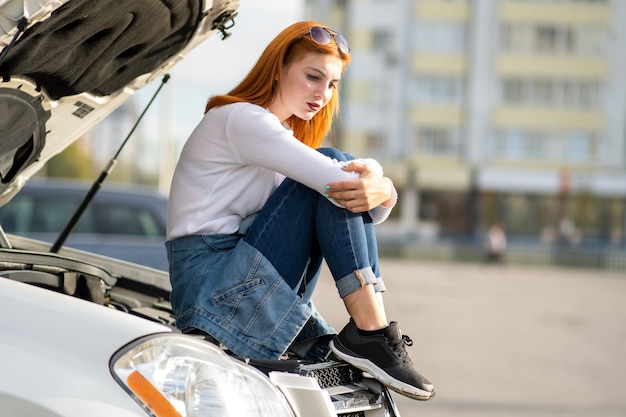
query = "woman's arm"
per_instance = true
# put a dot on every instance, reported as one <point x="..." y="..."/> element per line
<point x="370" y="190"/>
<point x="258" y="138"/>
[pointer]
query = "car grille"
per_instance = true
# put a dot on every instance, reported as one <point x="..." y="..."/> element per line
<point x="332" y="374"/>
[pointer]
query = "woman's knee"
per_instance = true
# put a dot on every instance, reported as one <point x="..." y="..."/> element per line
<point x="336" y="154"/>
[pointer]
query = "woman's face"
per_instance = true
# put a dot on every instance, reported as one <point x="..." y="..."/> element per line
<point x="307" y="86"/>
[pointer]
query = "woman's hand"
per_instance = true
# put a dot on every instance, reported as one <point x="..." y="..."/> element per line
<point x="363" y="194"/>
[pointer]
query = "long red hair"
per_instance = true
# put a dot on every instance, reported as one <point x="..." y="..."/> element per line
<point x="261" y="85"/>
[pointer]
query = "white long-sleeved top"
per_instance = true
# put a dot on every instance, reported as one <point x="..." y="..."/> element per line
<point x="233" y="161"/>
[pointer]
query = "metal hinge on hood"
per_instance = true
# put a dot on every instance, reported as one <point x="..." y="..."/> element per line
<point x="224" y="22"/>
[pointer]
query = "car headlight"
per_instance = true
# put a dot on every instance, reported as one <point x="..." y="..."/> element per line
<point x="176" y="375"/>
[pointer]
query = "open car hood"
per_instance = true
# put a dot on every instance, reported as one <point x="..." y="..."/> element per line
<point x="66" y="64"/>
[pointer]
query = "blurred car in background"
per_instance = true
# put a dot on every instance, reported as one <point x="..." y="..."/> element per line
<point x="123" y="221"/>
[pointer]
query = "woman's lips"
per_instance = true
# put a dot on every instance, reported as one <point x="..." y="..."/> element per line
<point x="313" y="106"/>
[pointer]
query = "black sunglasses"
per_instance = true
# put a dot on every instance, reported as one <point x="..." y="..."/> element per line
<point x="323" y="36"/>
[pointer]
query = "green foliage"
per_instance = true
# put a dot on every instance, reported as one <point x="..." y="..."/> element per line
<point x="73" y="162"/>
<point x="76" y="162"/>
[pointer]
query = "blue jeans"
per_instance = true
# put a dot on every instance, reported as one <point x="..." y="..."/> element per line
<point x="298" y="228"/>
<point x="252" y="291"/>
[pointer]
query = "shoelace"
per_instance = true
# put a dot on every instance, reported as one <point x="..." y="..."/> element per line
<point x="399" y="347"/>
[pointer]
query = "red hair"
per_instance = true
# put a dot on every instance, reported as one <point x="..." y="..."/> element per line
<point x="261" y="85"/>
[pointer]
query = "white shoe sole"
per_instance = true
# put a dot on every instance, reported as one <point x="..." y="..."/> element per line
<point x="382" y="376"/>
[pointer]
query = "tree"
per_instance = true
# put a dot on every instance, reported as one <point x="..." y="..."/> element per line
<point x="73" y="162"/>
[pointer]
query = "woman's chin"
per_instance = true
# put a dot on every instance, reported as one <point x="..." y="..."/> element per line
<point x="307" y="116"/>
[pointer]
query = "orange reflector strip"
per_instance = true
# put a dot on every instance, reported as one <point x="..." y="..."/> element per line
<point x="151" y="396"/>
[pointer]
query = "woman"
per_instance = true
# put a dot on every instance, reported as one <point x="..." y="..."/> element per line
<point x="255" y="207"/>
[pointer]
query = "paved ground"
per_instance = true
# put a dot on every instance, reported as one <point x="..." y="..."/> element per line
<point x="507" y="340"/>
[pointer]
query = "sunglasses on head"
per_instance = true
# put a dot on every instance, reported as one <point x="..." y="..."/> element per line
<point x="324" y="35"/>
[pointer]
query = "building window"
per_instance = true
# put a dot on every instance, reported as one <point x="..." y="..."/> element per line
<point x="437" y="141"/>
<point x="439" y="37"/>
<point x="552" y="1"/>
<point x="560" y="40"/>
<point x="383" y="43"/>
<point x="438" y="90"/>
<point x="543" y="92"/>
<point x="589" y="95"/>
<point x="514" y="92"/>
<point x="381" y="40"/>
<point x="546" y="39"/>
<point x="553" y="93"/>
<point x="374" y="142"/>
<point x="572" y="146"/>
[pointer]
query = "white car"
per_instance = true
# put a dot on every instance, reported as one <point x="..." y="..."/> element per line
<point x="87" y="335"/>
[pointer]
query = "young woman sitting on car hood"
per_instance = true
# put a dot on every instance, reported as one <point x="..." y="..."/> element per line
<point x="256" y="206"/>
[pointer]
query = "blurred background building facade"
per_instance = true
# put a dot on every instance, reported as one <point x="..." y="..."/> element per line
<point x="490" y="111"/>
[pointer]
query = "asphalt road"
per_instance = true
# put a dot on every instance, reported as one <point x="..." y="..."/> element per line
<point x="500" y="340"/>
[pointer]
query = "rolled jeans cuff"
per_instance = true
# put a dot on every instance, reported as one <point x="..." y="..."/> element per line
<point x="379" y="285"/>
<point x="356" y="280"/>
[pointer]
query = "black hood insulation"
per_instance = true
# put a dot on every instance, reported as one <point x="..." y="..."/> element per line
<point x="101" y="46"/>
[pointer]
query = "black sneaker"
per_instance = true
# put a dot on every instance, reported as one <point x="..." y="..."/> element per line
<point x="383" y="356"/>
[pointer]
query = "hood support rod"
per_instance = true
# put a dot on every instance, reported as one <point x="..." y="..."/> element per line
<point x="103" y="175"/>
<point x="21" y="27"/>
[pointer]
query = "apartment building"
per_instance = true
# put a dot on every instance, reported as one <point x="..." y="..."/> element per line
<point x="490" y="111"/>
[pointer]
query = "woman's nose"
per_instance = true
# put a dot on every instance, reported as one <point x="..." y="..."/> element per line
<point x="325" y="93"/>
